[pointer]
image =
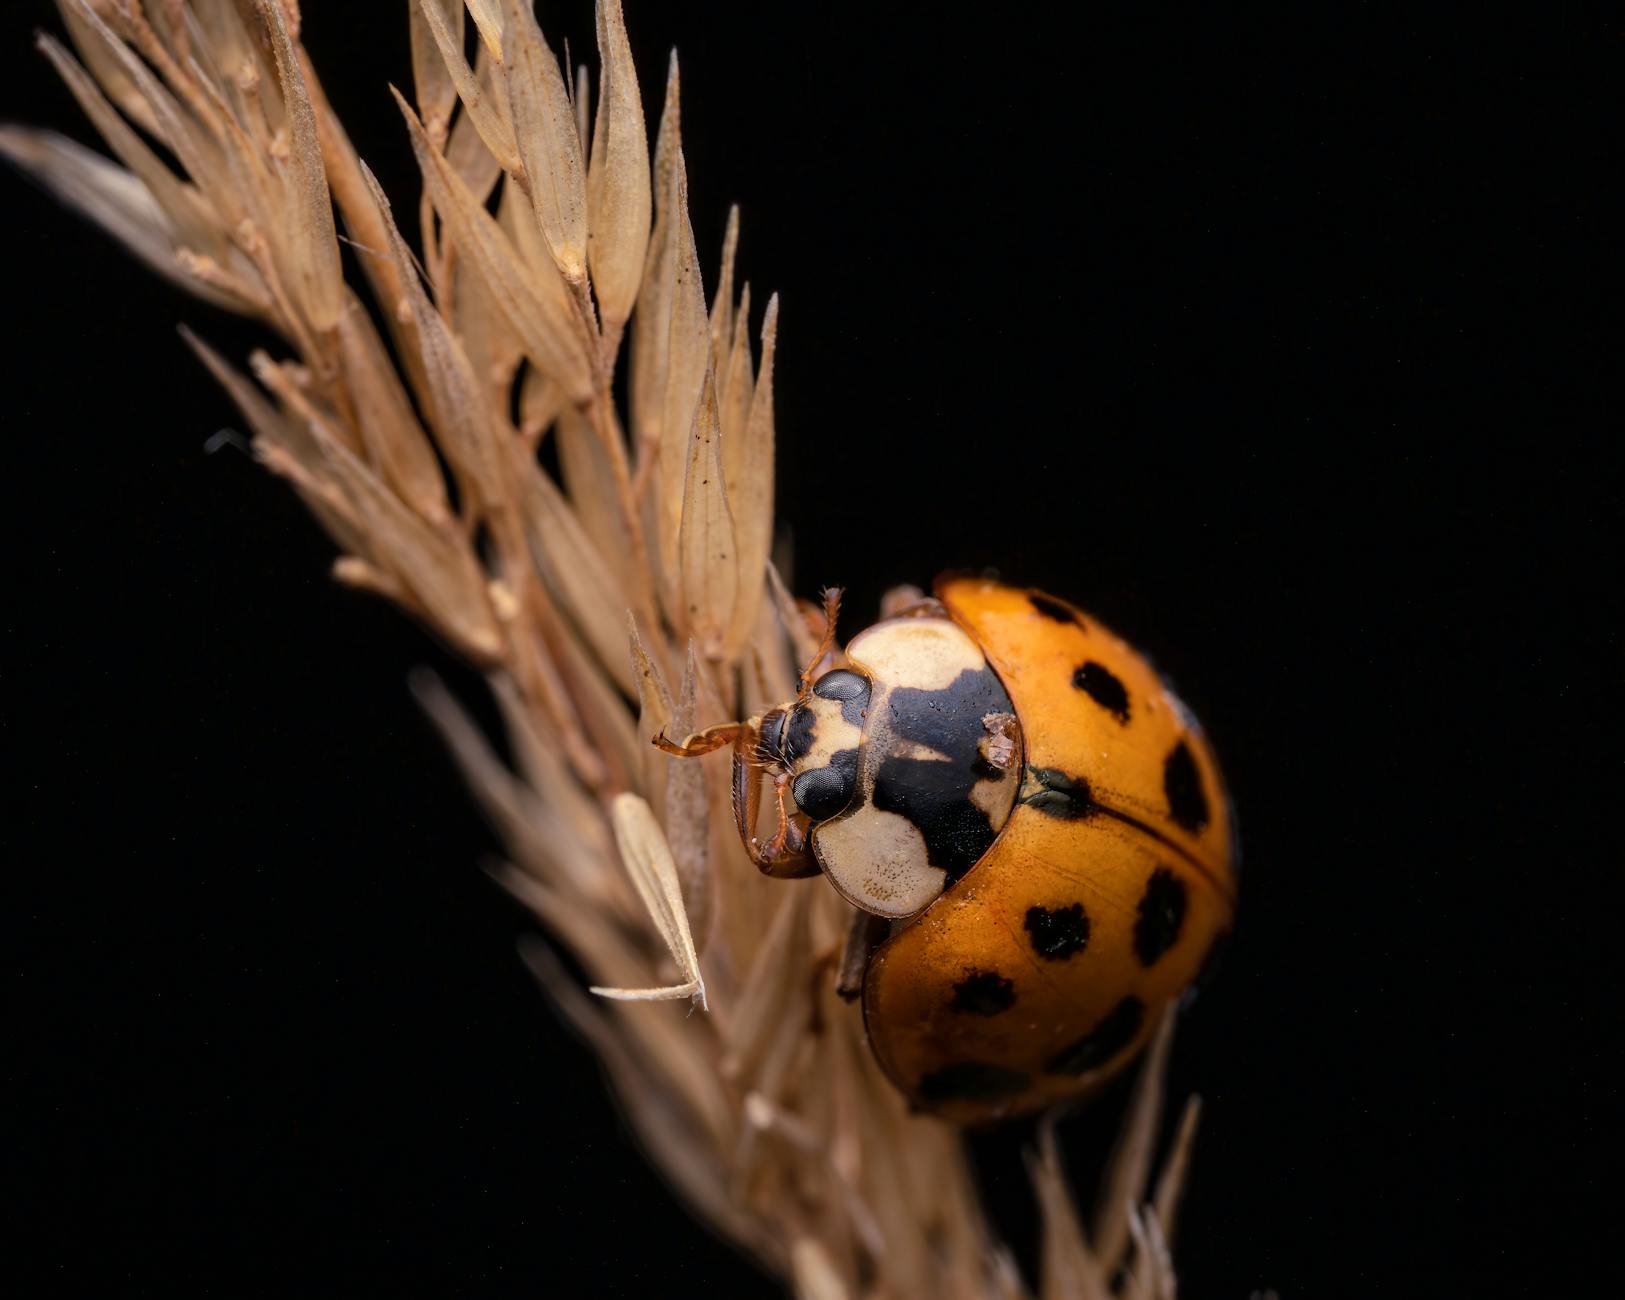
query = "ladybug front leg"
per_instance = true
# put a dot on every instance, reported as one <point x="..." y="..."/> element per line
<point x="708" y="741"/>
<point x="785" y="856"/>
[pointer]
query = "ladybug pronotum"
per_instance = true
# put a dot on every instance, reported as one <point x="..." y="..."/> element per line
<point x="1036" y="819"/>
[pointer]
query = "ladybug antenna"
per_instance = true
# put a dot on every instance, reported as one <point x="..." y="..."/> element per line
<point x="832" y="611"/>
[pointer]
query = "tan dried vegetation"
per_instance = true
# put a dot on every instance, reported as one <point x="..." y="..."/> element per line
<point x="632" y="593"/>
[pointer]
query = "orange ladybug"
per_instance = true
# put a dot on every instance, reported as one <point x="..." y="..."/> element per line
<point x="1033" y="813"/>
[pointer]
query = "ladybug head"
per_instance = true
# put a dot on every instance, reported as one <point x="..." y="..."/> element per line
<point x="809" y="749"/>
<point x="815" y="740"/>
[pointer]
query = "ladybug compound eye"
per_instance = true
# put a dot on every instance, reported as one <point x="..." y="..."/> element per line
<point x="825" y="791"/>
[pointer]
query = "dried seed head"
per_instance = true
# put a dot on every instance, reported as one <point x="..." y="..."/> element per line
<point x="618" y="196"/>
<point x="768" y="1114"/>
<point x="544" y="128"/>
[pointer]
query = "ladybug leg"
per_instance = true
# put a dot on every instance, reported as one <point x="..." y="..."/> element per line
<point x="707" y="741"/>
<point x="785" y="855"/>
<point x="867" y="933"/>
<point x="826" y="640"/>
<point x="788" y="837"/>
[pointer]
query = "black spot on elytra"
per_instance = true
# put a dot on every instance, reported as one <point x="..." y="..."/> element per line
<point x="799" y="733"/>
<point x="1059" y="795"/>
<point x="1161" y="913"/>
<point x="934" y="793"/>
<point x="1049" y="607"/>
<point x="984" y="993"/>
<point x="1101" y="685"/>
<point x="972" y="1081"/>
<point x="822" y="792"/>
<point x="1182" y="783"/>
<point x="1058" y="933"/>
<point x="850" y="688"/>
<point x="1103" y="1042"/>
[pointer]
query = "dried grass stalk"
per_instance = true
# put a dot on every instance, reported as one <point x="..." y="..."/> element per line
<point x="646" y="565"/>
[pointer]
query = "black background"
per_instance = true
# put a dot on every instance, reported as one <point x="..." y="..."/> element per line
<point x="1287" y="346"/>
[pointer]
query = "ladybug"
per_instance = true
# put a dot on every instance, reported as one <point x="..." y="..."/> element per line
<point x="1032" y="815"/>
